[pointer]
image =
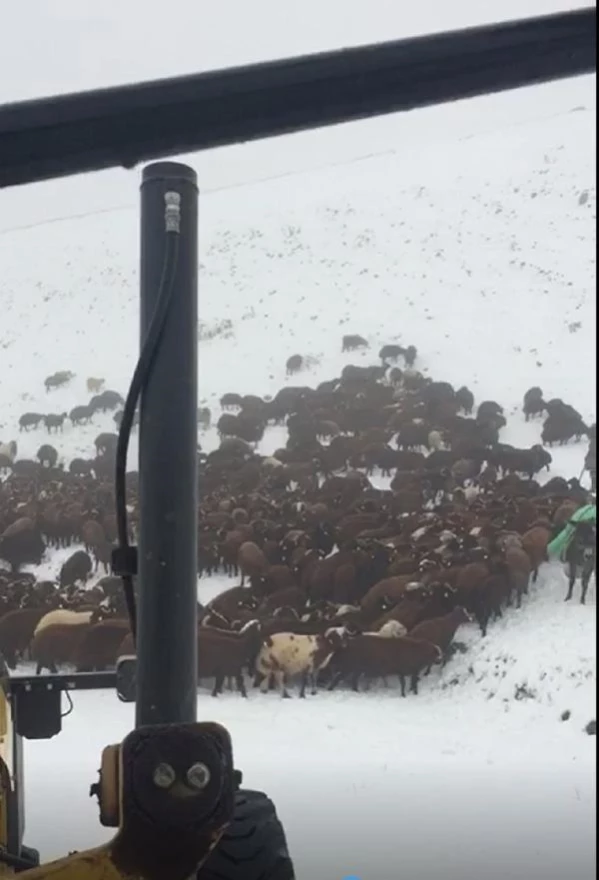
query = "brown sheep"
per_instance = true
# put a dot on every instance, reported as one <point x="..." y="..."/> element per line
<point x="127" y="647"/>
<point x="222" y="655"/>
<point x="16" y="632"/>
<point x="289" y="597"/>
<point x="92" y="534"/>
<point x="519" y="568"/>
<point x="410" y="611"/>
<point x="276" y="577"/>
<point x="230" y="602"/>
<point x="535" y="542"/>
<point x="99" y="647"/>
<point x="441" y="631"/>
<point x="393" y="588"/>
<point x="294" y="364"/>
<point x="563" y="513"/>
<point x="374" y="657"/>
<point x="56" y="645"/>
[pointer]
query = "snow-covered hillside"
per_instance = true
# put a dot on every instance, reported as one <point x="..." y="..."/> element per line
<point x="481" y="253"/>
<point x="470" y="235"/>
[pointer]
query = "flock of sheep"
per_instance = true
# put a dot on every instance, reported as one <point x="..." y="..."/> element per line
<point x="340" y="581"/>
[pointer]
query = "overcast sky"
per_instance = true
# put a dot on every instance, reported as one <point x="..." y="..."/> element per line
<point x="54" y="46"/>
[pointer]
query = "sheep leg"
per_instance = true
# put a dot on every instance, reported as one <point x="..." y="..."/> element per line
<point x="314" y="682"/>
<point x="335" y="681"/>
<point x="586" y="579"/>
<point x="571" y="581"/>
<point x="402" y="682"/>
<point x="280" y="678"/>
<point x="219" y="680"/>
<point x="264" y="684"/>
<point x="241" y="684"/>
<point x="304" y="682"/>
<point x="354" y="682"/>
<point x="414" y="684"/>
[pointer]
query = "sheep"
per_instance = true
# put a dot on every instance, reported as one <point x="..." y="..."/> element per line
<point x="126" y="647"/>
<point x="390" y="353"/>
<point x="410" y="354"/>
<point x="106" y="444"/>
<point x="79" y="467"/>
<point x="393" y="629"/>
<point x="580" y="558"/>
<point x="286" y="654"/>
<point x="377" y="658"/>
<point x="251" y="561"/>
<point x="294" y="364"/>
<point x="47" y="456"/>
<point x="98" y="649"/>
<point x="519" y="570"/>
<point x="440" y="631"/>
<point x="353" y="341"/>
<point x="465" y="399"/>
<point x="63" y="377"/>
<point x="77" y="567"/>
<point x="80" y="415"/>
<point x="8" y="450"/>
<point x="435" y="440"/>
<point x="230" y="602"/>
<point x="204" y="417"/>
<point x="16" y="631"/>
<point x="534" y="404"/>
<point x="94" y="386"/>
<point x="92" y="535"/>
<point x="56" y="645"/>
<point x="222" y="655"/>
<point x="54" y="421"/>
<point x="65" y="617"/>
<point x="534" y="542"/>
<point x="21" y="543"/>
<point x="30" y="420"/>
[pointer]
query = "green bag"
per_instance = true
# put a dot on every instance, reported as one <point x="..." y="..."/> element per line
<point x="557" y="548"/>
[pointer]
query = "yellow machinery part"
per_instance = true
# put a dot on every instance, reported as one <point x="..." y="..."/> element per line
<point x="5" y="774"/>
<point x="166" y="829"/>
<point x="95" y="864"/>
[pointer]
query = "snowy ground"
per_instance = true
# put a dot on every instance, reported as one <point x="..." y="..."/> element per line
<point x="470" y="233"/>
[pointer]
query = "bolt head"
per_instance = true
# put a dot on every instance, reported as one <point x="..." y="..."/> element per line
<point x="164" y="776"/>
<point x="198" y="776"/>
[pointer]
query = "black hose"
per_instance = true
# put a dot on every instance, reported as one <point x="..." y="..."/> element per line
<point x="124" y="561"/>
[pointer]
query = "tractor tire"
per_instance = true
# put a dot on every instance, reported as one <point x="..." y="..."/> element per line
<point x="253" y="847"/>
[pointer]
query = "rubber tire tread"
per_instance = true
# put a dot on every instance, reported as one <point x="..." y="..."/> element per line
<point x="253" y="847"/>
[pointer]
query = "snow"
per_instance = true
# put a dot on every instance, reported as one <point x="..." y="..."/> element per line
<point x="464" y="230"/>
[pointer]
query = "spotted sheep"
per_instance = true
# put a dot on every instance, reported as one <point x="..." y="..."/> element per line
<point x="286" y="655"/>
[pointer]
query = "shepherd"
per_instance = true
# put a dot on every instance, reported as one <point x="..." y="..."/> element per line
<point x="576" y="546"/>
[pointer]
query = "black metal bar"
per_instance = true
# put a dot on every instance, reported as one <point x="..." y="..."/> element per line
<point x="167" y="559"/>
<point x="125" y="125"/>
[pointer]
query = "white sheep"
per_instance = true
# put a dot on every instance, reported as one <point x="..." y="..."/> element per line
<point x="8" y="450"/>
<point x="285" y="655"/>
<point x="435" y="440"/>
<point x="393" y="629"/>
<point x="63" y="616"/>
